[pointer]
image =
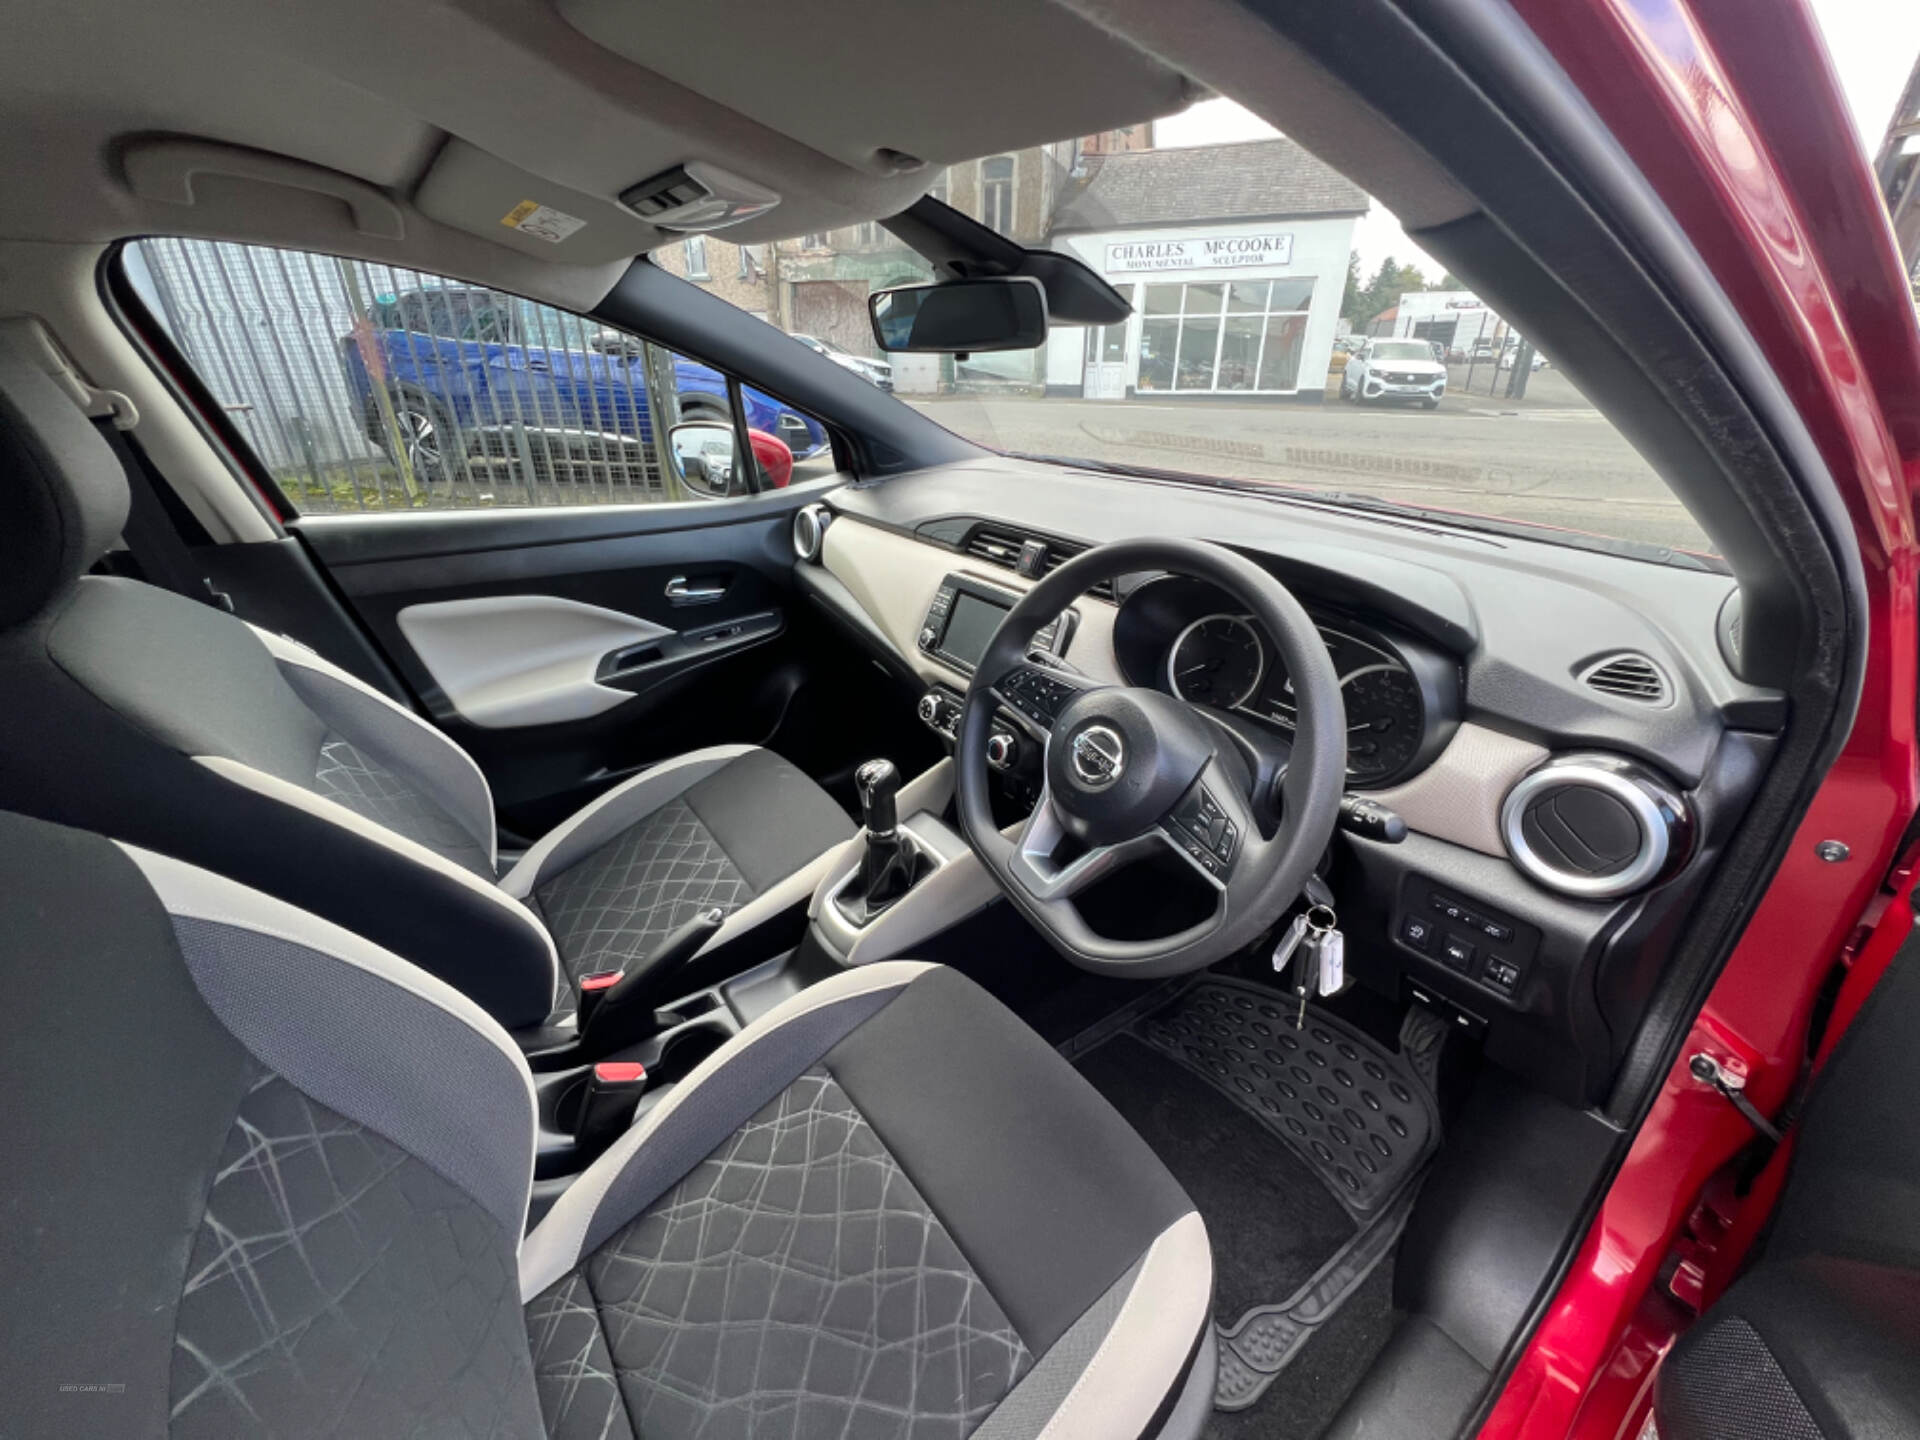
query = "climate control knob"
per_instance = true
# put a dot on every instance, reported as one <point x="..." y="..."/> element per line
<point x="929" y="709"/>
<point x="1002" y="749"/>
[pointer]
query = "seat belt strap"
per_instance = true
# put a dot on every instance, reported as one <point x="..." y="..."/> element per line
<point x="150" y="533"/>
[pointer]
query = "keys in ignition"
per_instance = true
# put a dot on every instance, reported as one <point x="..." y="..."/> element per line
<point x="1321" y="923"/>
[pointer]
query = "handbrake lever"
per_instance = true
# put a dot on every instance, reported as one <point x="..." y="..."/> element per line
<point x="628" y="1010"/>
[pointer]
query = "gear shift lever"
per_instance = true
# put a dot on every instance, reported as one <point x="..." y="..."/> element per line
<point x="878" y="782"/>
<point x="887" y="867"/>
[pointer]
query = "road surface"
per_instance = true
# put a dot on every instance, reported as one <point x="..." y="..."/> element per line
<point x="1550" y="459"/>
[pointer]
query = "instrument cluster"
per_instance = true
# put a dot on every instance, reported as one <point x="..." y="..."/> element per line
<point x="1188" y="638"/>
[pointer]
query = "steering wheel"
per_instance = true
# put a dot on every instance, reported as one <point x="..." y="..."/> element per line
<point x="1130" y="771"/>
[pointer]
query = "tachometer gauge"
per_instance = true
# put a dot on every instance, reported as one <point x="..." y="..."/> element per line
<point x="1384" y="720"/>
<point x="1217" y="661"/>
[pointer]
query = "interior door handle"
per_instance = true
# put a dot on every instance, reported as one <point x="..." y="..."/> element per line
<point x="681" y="593"/>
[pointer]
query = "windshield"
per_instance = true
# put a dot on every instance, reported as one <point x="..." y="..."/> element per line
<point x="1255" y="274"/>
<point x="1401" y="351"/>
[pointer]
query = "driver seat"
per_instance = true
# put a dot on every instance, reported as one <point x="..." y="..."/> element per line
<point x="269" y="1178"/>
<point x="136" y="712"/>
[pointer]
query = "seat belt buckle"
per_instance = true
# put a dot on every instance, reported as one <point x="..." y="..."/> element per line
<point x="593" y="989"/>
<point x="614" y="1088"/>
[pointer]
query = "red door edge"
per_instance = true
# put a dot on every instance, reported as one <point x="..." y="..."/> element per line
<point x="1767" y="181"/>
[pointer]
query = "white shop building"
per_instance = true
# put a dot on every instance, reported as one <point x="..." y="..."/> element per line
<point x="1456" y="319"/>
<point x="1234" y="258"/>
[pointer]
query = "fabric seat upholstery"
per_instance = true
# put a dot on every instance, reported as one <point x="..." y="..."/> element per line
<point x="885" y="1209"/>
<point x="136" y="712"/>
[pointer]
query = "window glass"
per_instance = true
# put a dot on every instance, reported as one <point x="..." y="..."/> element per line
<point x="1163" y="299"/>
<point x="371" y="387"/>
<point x="996" y="193"/>
<point x="1255" y="273"/>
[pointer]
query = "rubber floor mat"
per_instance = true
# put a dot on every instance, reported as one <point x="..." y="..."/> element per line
<point x="1354" y="1126"/>
<point x="1351" y="1109"/>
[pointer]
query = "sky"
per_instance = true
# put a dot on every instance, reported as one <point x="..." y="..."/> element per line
<point x="1873" y="44"/>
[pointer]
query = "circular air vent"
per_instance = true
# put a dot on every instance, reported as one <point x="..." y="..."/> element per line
<point x="1593" y="826"/>
<point x="809" y="530"/>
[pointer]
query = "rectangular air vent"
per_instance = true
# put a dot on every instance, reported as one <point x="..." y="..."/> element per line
<point x="1002" y="546"/>
<point x="1629" y="677"/>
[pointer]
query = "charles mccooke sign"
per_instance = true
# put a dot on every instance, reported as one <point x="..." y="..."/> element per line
<point x="1217" y="253"/>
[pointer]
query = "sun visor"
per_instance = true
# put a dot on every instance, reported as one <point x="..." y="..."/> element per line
<point x="471" y="190"/>
<point x="867" y="82"/>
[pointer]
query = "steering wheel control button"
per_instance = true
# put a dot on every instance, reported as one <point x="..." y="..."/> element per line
<point x="1099" y="756"/>
<point x="1202" y="829"/>
<point x="1035" y="695"/>
<point x="1417" y="931"/>
<point x="1457" y="953"/>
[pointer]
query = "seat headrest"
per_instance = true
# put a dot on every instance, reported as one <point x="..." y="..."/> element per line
<point x="63" y="495"/>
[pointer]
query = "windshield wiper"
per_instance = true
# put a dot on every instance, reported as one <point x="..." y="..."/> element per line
<point x="1396" y="509"/>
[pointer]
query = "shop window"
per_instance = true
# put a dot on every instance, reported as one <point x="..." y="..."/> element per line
<point x="1163" y="299"/>
<point x="1240" y="335"/>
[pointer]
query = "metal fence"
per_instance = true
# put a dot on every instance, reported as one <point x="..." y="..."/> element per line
<point x="370" y="387"/>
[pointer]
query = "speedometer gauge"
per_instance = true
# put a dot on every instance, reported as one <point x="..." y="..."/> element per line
<point x="1218" y="661"/>
<point x="1384" y="720"/>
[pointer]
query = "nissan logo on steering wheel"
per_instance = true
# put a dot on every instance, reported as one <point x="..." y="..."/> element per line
<point x="1099" y="757"/>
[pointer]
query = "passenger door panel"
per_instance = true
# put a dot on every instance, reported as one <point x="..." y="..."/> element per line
<point x="565" y="649"/>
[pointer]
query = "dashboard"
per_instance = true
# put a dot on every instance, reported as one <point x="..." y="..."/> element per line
<point x="1189" y="639"/>
<point x="1562" y="733"/>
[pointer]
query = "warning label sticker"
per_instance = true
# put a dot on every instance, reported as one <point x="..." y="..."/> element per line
<point x="542" y="222"/>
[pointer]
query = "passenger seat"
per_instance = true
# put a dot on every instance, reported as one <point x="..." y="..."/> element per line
<point x="137" y="713"/>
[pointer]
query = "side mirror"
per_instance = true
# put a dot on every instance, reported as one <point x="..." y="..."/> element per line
<point x="702" y="456"/>
<point x="1007" y="312"/>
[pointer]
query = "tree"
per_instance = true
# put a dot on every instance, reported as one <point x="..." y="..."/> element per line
<point x="1383" y="292"/>
<point x="1350" y="301"/>
<point x="1449" y="281"/>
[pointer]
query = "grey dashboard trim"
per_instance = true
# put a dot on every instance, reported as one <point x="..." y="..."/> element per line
<point x="892" y="577"/>
<point x="1458" y="797"/>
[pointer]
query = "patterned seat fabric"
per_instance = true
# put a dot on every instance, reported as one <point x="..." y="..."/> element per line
<point x="378" y="793"/>
<point x="885" y="1209"/>
<point x="622" y="900"/>
<point x="743" y="825"/>
<point x="795" y="1282"/>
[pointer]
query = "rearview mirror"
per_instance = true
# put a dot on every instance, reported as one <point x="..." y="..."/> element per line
<point x="1007" y="312"/>
<point x="702" y="456"/>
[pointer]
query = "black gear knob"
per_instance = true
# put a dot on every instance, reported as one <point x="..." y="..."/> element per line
<point x="877" y="782"/>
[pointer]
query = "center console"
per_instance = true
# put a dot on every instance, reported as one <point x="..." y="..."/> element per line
<point x="964" y="614"/>
<point x="959" y="623"/>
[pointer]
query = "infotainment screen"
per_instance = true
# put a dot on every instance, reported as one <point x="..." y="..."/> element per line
<point x="970" y="627"/>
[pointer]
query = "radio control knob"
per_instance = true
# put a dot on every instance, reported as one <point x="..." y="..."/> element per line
<point x="1001" y="749"/>
<point x="926" y="638"/>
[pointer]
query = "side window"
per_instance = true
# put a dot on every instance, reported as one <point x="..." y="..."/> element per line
<point x="371" y="387"/>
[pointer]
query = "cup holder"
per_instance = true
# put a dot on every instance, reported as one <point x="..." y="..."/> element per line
<point x="683" y="1051"/>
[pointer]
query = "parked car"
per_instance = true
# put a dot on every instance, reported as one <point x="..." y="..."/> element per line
<point x="878" y="372"/>
<point x="1394" y="370"/>
<point x="475" y="376"/>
